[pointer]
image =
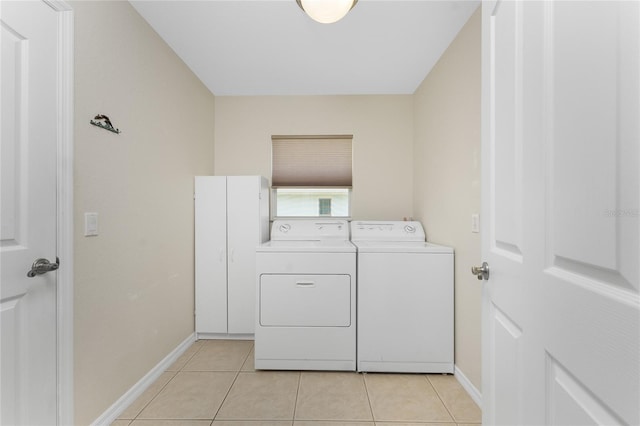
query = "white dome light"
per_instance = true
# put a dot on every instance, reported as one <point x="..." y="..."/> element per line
<point x="326" y="11"/>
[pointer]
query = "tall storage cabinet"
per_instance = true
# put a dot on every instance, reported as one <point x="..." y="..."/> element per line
<point x="231" y="220"/>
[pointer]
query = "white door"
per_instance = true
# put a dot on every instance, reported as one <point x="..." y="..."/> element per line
<point x="211" y="254"/>
<point x="243" y="222"/>
<point x="29" y="115"/>
<point x="561" y="126"/>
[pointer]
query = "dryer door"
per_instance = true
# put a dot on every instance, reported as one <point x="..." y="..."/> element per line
<point x="305" y="300"/>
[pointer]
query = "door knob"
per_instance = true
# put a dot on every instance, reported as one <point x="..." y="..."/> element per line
<point x="42" y="266"/>
<point x="481" y="272"/>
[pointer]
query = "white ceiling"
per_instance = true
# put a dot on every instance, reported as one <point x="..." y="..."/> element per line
<point x="270" y="47"/>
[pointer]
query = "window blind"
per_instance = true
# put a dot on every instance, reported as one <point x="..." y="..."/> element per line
<point x="311" y="161"/>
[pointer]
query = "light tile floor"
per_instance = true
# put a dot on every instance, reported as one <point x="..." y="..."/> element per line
<point x="214" y="383"/>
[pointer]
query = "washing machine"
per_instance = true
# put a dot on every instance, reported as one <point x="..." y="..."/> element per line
<point x="306" y="297"/>
<point x="405" y="299"/>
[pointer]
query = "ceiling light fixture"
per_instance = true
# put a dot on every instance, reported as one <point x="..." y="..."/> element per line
<point x="326" y="11"/>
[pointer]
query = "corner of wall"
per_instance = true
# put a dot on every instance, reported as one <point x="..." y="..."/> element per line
<point x="134" y="285"/>
<point x="447" y="177"/>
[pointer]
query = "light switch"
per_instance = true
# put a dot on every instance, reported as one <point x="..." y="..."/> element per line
<point x="90" y="224"/>
<point x="475" y="223"/>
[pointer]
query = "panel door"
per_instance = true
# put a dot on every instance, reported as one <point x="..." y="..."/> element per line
<point x="28" y="386"/>
<point x="560" y="191"/>
<point x="244" y="233"/>
<point x="291" y="300"/>
<point x="504" y="296"/>
<point x="211" y="254"/>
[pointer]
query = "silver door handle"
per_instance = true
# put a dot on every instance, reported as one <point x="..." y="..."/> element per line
<point x="481" y="272"/>
<point x="42" y="266"/>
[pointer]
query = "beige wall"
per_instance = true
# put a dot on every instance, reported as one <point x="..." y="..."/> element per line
<point x="382" y="128"/>
<point x="447" y="177"/>
<point x="133" y="282"/>
<point x="413" y="156"/>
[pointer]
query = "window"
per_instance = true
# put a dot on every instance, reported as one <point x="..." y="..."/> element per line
<point x="311" y="176"/>
<point x="310" y="202"/>
<point x="324" y="206"/>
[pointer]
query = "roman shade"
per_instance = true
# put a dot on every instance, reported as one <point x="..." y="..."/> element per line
<point x="311" y="161"/>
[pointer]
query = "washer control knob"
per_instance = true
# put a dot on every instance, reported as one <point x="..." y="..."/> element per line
<point x="285" y="228"/>
<point x="410" y="229"/>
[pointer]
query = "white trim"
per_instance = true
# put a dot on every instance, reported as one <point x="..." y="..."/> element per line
<point x="473" y="392"/>
<point x="64" y="201"/>
<point x="224" y="336"/>
<point x="136" y="390"/>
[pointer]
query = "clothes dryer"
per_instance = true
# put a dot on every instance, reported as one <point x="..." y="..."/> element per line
<point x="306" y="297"/>
<point x="405" y="299"/>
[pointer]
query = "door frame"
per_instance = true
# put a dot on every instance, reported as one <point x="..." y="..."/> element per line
<point x="64" y="201"/>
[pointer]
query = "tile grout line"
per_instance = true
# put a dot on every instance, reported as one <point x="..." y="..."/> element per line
<point x="246" y="358"/>
<point x="232" y="383"/>
<point x="295" y="405"/>
<point x="229" y="390"/>
<point x="366" y="389"/>
<point x="175" y="373"/>
<point x="426" y="376"/>
<point x="473" y="422"/>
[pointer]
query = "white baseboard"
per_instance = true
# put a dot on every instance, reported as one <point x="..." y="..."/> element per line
<point x="223" y="336"/>
<point x="468" y="386"/>
<point x="136" y="390"/>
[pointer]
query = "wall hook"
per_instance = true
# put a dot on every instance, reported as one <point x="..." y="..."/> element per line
<point x="105" y="125"/>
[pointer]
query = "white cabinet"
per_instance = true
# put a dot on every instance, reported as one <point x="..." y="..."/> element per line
<point x="231" y="220"/>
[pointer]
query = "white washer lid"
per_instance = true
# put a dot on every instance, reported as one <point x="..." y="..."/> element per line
<point x="299" y="246"/>
<point x="375" y="230"/>
<point x="401" y="247"/>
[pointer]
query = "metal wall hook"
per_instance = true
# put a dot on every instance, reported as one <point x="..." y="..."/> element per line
<point x="105" y="125"/>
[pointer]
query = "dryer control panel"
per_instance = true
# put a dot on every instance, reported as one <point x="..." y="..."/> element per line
<point x="387" y="231"/>
<point x="309" y="230"/>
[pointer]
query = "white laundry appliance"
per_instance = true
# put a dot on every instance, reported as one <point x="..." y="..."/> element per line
<point x="405" y="299"/>
<point x="306" y="297"/>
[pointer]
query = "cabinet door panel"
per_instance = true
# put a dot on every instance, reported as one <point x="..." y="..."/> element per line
<point x="243" y="236"/>
<point x="211" y="254"/>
